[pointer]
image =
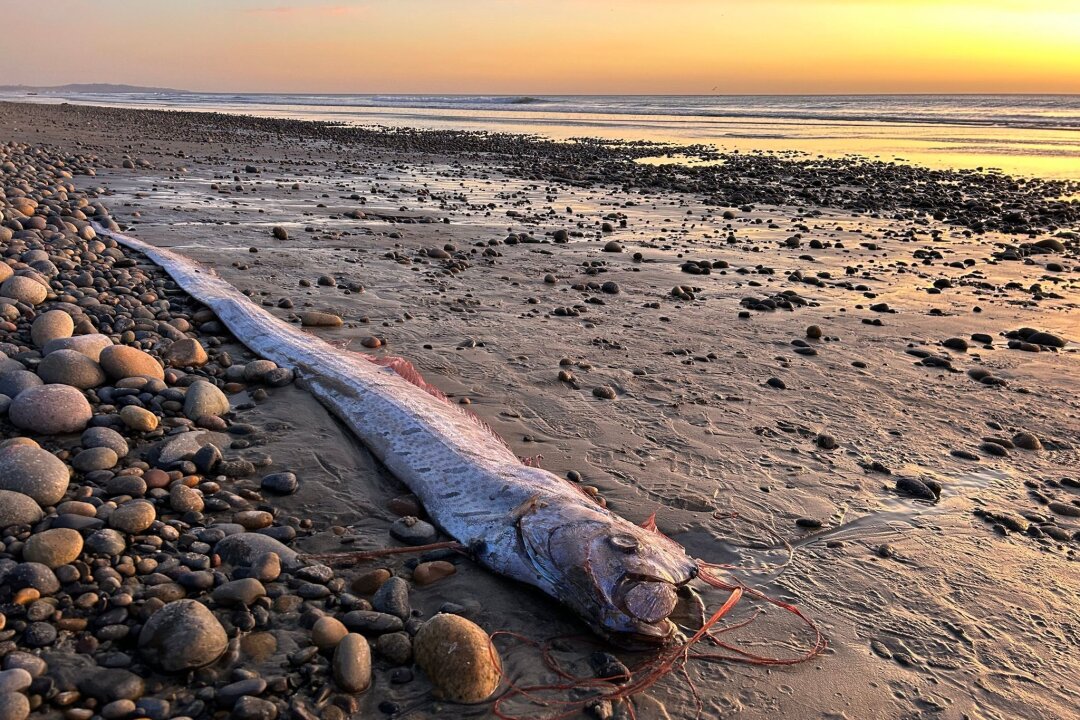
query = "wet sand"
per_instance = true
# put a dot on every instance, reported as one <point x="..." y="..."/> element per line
<point x="931" y="608"/>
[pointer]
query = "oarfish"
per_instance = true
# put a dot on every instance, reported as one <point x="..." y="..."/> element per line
<point x="520" y="521"/>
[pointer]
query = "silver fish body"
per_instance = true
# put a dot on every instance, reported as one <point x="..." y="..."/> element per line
<point x="522" y="522"/>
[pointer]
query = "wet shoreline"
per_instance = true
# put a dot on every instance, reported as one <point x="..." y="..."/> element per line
<point x="693" y="437"/>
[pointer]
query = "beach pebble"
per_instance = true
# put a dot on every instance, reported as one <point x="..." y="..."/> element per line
<point x="279" y="232"/>
<point x="370" y="581"/>
<point x="281" y="483"/>
<point x="203" y="398"/>
<point x="17" y="509"/>
<point x="395" y="647"/>
<point x="187" y="352"/>
<point x="1027" y="441"/>
<point x="431" y="572"/>
<point x="50" y="410"/>
<point x="185" y="499"/>
<point x="15" y="680"/>
<point x="242" y="549"/>
<point x="183" y="635"/>
<point x="613" y="246"/>
<point x="413" y="531"/>
<point x="14" y="382"/>
<point x="319" y="319"/>
<point x="138" y="419"/>
<point x="34" y="472"/>
<point x="352" y="663"/>
<point x="133" y="517"/>
<point x="392" y="598"/>
<point x="53" y="548"/>
<point x="458" y="658"/>
<point x="237" y="593"/>
<point x="51" y="325"/>
<point x="604" y="392"/>
<point x="69" y="367"/>
<point x="96" y="437"/>
<point x="89" y="345"/>
<point x="106" y="542"/>
<point x="99" y="458"/>
<point x="14" y="706"/>
<point x="24" y="289"/>
<point x="327" y="632"/>
<point x="122" y="361"/>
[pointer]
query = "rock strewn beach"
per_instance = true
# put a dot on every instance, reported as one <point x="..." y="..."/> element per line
<point x="878" y="370"/>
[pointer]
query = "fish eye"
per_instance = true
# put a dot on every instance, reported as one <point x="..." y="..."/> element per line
<point x="626" y="543"/>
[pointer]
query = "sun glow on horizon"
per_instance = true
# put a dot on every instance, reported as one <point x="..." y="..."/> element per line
<point x="560" y="46"/>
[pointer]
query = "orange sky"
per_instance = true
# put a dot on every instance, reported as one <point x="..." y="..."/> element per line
<point x="553" y="46"/>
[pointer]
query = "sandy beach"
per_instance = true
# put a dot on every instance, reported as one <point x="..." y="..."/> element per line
<point x="855" y="382"/>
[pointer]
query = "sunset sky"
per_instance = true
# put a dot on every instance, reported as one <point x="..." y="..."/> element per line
<point x="552" y="46"/>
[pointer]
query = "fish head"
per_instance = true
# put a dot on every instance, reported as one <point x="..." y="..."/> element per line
<point x="621" y="578"/>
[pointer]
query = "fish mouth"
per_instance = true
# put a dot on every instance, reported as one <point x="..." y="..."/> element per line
<point x="645" y="604"/>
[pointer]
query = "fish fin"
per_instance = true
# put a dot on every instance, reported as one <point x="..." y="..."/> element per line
<point x="650" y="524"/>
<point x="408" y="372"/>
<point x="526" y="507"/>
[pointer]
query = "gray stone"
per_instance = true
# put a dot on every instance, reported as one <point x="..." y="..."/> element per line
<point x="204" y="398"/>
<point x="106" y="542"/>
<point x="51" y="410"/>
<point x="24" y="290"/>
<point x="53" y="548"/>
<point x="70" y="367"/>
<point x="243" y="549"/>
<point x="241" y="592"/>
<point x="352" y="663"/>
<point x="17" y="509"/>
<point x="34" y="472"/>
<point x="14" y="706"/>
<point x="51" y="325"/>
<point x="96" y="437"/>
<point x="183" y="635"/>
<point x="133" y="517"/>
<point x="89" y="345"/>
<point x="99" y="458"/>
<point x="14" y="382"/>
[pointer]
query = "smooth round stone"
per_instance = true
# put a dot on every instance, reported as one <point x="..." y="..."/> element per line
<point x="431" y="572"/>
<point x="24" y="290"/>
<point x="413" y="531"/>
<point x="133" y="517"/>
<point x="256" y="370"/>
<point x="254" y="519"/>
<point x="52" y="325"/>
<point x="53" y="548"/>
<point x="17" y="509"/>
<point x="352" y="663"/>
<point x="14" y="382"/>
<point x="39" y="635"/>
<point x="458" y="658"/>
<point x="282" y="483"/>
<point x="132" y="485"/>
<point x="51" y="410"/>
<point x="103" y="437"/>
<point x="395" y="647"/>
<point x="239" y="593"/>
<point x="327" y="632"/>
<point x="70" y="367"/>
<point x="123" y="361"/>
<point x="185" y="499"/>
<point x="138" y="419"/>
<point x="320" y="319"/>
<point x="34" y="472"/>
<point x="370" y="581"/>
<point x="108" y="685"/>
<point x="204" y="399"/>
<point x="243" y="549"/>
<point x="15" y="680"/>
<point x="33" y="575"/>
<point x="186" y="353"/>
<point x="392" y="598"/>
<point x="106" y="542"/>
<point x="183" y="635"/>
<point x="99" y="458"/>
<point x="89" y="345"/>
<point x="14" y="705"/>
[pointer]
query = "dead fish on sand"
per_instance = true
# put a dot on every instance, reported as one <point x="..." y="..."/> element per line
<point x="520" y="521"/>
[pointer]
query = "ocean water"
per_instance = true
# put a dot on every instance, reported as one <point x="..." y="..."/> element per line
<point x="1033" y="135"/>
